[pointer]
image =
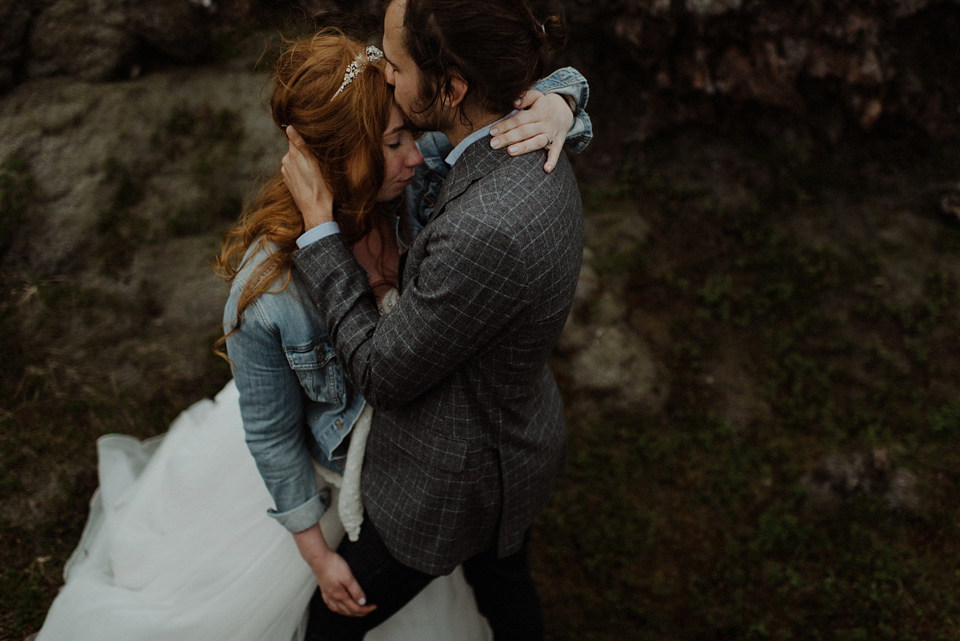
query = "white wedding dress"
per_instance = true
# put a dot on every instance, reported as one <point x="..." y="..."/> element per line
<point x="178" y="547"/>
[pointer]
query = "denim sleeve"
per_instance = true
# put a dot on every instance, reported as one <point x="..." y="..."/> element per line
<point x="272" y="408"/>
<point x="570" y="82"/>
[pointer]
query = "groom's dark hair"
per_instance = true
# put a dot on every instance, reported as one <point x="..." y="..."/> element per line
<point x="496" y="46"/>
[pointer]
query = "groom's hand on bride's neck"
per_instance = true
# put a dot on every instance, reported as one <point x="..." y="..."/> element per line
<point x="301" y="173"/>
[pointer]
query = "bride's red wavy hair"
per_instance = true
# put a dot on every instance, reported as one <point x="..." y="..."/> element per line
<point x="346" y="135"/>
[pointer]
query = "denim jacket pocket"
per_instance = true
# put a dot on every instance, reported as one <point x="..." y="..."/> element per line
<point x="319" y="372"/>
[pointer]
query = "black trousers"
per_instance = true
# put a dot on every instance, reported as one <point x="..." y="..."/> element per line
<point x="504" y="588"/>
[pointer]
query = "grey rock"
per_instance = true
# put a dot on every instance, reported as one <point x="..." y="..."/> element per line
<point x="69" y="133"/>
<point x="839" y="477"/>
<point x="739" y="401"/>
<point x="665" y="61"/>
<point x="948" y="206"/>
<point x="102" y="39"/>
<point x="605" y="358"/>
<point x="178" y="28"/>
<point x="79" y="38"/>
<point x="617" y="364"/>
<point x="795" y="57"/>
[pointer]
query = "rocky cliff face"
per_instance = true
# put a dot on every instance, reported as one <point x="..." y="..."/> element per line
<point x="827" y="64"/>
<point x="120" y="146"/>
<point x="97" y="39"/>
<point x="113" y="198"/>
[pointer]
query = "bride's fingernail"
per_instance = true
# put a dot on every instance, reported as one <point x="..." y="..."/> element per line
<point x="494" y="131"/>
<point x="362" y="601"/>
<point x="495" y="143"/>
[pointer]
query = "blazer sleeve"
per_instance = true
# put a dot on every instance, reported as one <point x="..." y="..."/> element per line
<point x="471" y="285"/>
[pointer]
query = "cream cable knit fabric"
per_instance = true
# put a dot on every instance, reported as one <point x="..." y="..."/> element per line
<point x="350" y="502"/>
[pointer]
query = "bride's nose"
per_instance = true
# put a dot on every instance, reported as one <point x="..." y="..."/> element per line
<point x="414" y="158"/>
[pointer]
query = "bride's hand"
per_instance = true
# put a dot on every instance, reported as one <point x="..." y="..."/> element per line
<point x="338" y="587"/>
<point x="543" y="121"/>
<point x="301" y="174"/>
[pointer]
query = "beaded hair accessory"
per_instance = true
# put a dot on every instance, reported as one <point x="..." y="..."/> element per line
<point x="353" y="70"/>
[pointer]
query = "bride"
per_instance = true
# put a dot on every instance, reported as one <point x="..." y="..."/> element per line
<point x="177" y="545"/>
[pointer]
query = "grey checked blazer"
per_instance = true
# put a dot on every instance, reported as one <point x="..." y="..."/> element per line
<point x="469" y="434"/>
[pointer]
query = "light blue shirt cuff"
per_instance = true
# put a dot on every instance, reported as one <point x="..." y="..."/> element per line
<point x="301" y="517"/>
<point x="579" y="126"/>
<point x="454" y="155"/>
<point x="318" y="232"/>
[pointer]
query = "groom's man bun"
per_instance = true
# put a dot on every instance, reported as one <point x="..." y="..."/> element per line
<point x="496" y="46"/>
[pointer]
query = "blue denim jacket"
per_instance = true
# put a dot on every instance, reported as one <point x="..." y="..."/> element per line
<point x="294" y="399"/>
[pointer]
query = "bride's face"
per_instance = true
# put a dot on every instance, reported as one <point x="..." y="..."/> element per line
<point x="401" y="155"/>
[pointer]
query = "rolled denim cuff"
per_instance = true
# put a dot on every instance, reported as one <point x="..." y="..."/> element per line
<point x="579" y="137"/>
<point x="581" y="132"/>
<point x="302" y="517"/>
<point x="574" y="91"/>
<point x="569" y="82"/>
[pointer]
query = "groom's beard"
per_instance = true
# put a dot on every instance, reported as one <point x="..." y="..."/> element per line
<point x="432" y="118"/>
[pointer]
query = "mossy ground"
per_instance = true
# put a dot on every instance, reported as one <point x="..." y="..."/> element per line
<point x="827" y="282"/>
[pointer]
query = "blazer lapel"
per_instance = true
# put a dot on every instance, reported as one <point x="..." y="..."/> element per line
<point x="477" y="161"/>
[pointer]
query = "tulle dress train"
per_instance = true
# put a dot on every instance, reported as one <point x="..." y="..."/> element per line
<point x="178" y="546"/>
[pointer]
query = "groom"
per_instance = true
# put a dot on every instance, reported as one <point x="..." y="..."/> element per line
<point x="469" y="434"/>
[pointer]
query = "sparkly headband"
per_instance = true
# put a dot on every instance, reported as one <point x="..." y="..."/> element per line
<point x="356" y="67"/>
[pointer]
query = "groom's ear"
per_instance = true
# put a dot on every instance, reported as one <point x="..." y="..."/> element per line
<point x="455" y="93"/>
